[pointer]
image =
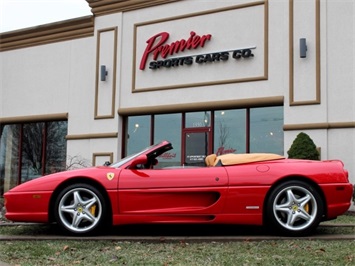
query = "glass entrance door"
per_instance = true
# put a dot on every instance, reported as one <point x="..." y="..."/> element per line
<point x="197" y="146"/>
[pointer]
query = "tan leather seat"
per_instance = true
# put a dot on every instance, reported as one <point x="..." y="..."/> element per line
<point x="210" y="160"/>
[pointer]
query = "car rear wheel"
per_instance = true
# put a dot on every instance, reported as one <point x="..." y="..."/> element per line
<point x="294" y="208"/>
<point x="80" y="209"/>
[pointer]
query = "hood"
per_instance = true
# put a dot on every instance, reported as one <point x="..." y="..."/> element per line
<point x="50" y="182"/>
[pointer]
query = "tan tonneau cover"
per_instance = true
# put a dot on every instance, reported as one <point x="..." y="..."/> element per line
<point x="231" y="158"/>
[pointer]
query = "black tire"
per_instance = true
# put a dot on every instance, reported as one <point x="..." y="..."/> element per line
<point x="80" y="209"/>
<point x="294" y="208"/>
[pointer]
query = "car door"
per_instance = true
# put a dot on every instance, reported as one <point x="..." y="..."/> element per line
<point x="173" y="191"/>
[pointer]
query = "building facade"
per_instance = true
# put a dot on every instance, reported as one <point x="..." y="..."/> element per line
<point x="209" y="76"/>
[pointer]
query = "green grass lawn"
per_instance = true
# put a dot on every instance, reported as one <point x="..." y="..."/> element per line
<point x="266" y="252"/>
<point x="296" y="252"/>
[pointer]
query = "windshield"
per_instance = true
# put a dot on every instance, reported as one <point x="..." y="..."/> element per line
<point x="130" y="157"/>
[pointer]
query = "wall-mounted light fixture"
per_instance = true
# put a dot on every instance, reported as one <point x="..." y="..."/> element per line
<point x="103" y="73"/>
<point x="303" y="48"/>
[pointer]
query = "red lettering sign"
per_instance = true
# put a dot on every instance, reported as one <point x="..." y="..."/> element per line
<point x="167" y="156"/>
<point x="222" y="150"/>
<point x="156" y="46"/>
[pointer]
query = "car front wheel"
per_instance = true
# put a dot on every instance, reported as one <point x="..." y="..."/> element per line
<point x="294" y="208"/>
<point x="80" y="209"/>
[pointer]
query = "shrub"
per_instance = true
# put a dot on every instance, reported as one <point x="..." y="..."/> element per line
<point x="303" y="147"/>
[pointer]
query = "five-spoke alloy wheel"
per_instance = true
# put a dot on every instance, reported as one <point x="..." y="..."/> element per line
<point x="80" y="209"/>
<point x="294" y="208"/>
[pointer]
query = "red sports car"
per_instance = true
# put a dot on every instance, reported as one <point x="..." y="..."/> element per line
<point x="290" y="196"/>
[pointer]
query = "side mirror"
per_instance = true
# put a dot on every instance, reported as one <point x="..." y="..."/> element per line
<point x="141" y="159"/>
<point x="107" y="163"/>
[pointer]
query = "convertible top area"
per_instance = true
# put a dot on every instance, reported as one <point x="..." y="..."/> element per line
<point x="232" y="159"/>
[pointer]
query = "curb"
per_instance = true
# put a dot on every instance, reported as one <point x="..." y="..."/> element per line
<point x="177" y="238"/>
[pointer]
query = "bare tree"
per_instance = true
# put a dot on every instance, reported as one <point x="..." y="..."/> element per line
<point x="223" y="134"/>
<point x="76" y="162"/>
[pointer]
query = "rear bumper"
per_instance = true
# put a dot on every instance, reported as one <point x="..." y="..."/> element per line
<point x="338" y="198"/>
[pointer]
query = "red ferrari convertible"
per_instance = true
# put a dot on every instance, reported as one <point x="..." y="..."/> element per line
<point x="290" y="196"/>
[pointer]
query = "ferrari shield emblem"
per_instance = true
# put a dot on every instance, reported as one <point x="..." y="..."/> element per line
<point x="110" y="176"/>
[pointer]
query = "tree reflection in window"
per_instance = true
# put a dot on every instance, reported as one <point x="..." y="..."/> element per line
<point x="56" y="147"/>
<point x="36" y="148"/>
<point x="230" y="131"/>
<point x="32" y="142"/>
<point x="9" y="156"/>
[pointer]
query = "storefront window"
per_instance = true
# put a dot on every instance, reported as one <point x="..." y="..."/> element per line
<point x="9" y="157"/>
<point x="244" y="130"/>
<point x="198" y="119"/>
<point x="138" y="133"/>
<point x="266" y="133"/>
<point x="230" y="131"/>
<point x="40" y="148"/>
<point x="56" y="147"/>
<point x="32" y="143"/>
<point x="168" y="127"/>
